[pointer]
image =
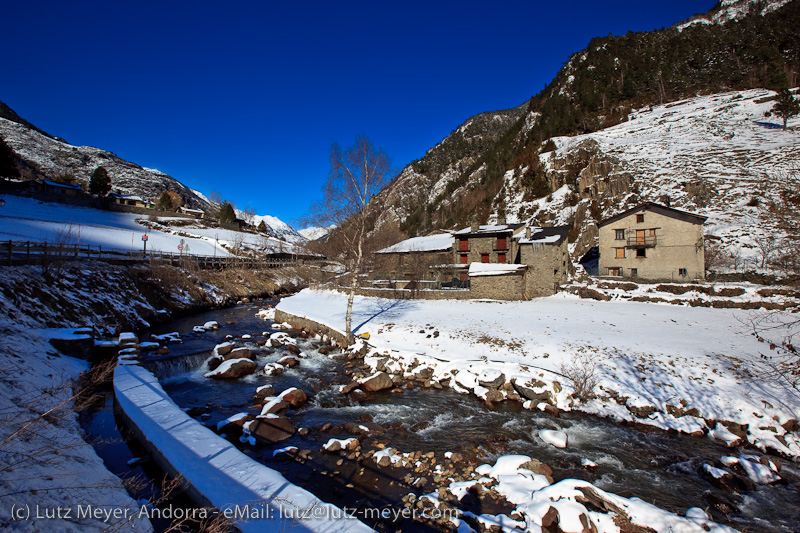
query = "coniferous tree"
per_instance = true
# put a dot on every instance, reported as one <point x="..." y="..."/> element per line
<point x="786" y="106"/>
<point x="164" y="202"/>
<point x="226" y="213"/>
<point x="8" y="163"/>
<point x="100" y="183"/>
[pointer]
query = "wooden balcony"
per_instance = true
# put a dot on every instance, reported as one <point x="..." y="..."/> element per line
<point x="647" y="241"/>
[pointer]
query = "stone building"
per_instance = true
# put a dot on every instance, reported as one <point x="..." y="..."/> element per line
<point x="653" y="242"/>
<point x="499" y="261"/>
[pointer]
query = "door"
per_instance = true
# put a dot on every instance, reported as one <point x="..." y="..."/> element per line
<point x="640" y="236"/>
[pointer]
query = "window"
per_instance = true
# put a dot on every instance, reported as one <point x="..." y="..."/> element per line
<point x="464" y="259"/>
<point x="620" y="234"/>
<point x="463" y="244"/>
<point x="620" y="253"/>
<point x="653" y="232"/>
<point x="634" y="272"/>
<point x="464" y="277"/>
<point x="683" y="272"/>
<point x="640" y="218"/>
<point x="484" y="258"/>
<point x="501" y="244"/>
<point x="641" y="252"/>
<point x="614" y="271"/>
<point x="501" y="258"/>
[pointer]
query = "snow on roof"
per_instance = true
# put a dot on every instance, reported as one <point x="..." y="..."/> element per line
<point x="494" y="269"/>
<point x="432" y="243"/>
<point x="187" y="210"/>
<point x="64" y="185"/>
<point x="544" y="235"/>
<point x="127" y="197"/>
<point x="490" y="228"/>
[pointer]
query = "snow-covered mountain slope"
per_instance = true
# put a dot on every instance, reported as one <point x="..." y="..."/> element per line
<point x="280" y="229"/>
<point x="45" y="157"/>
<point x="734" y="10"/>
<point x="716" y="155"/>
<point x="315" y="232"/>
<point x="27" y="219"/>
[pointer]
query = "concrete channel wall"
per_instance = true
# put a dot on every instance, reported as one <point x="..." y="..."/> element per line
<point x="301" y="322"/>
<point x="255" y="497"/>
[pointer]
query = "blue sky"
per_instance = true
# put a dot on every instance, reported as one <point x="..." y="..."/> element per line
<point x="245" y="98"/>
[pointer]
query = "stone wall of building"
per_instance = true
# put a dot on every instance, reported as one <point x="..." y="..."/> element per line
<point x="499" y="287"/>
<point x="410" y="266"/>
<point x="677" y="252"/>
<point x="548" y="267"/>
<point x="483" y="245"/>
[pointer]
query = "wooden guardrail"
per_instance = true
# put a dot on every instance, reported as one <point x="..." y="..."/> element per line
<point x="31" y="252"/>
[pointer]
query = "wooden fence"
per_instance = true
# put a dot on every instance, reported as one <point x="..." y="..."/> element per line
<point x="29" y="252"/>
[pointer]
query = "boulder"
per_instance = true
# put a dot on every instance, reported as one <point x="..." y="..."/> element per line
<point x="163" y="350"/>
<point x="274" y="406"/>
<point x="536" y="391"/>
<point x="724" y="479"/>
<point x="288" y="361"/>
<point x="265" y="391"/>
<point x="239" y="353"/>
<point x="337" y="445"/>
<point x="491" y="379"/>
<point x="224" y="348"/>
<point x="293" y="396"/>
<point x="376" y="382"/>
<point x="292" y="349"/>
<point x="350" y="387"/>
<point x="273" y="369"/>
<point x="232" y="369"/>
<point x="423" y="373"/>
<point x="358" y="396"/>
<point x="233" y="425"/>
<point x="271" y="429"/>
<point x="214" y="362"/>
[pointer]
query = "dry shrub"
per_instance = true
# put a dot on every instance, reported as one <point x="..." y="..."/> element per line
<point x="581" y="371"/>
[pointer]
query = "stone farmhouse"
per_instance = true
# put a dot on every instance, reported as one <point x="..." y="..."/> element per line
<point x="652" y="242"/>
<point x="498" y="261"/>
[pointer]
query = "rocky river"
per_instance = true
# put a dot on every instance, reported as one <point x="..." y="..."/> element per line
<point x="387" y="449"/>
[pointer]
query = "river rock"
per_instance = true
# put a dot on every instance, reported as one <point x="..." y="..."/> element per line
<point x="364" y="428"/>
<point x="271" y="429"/>
<point x="294" y="396"/>
<point x="234" y="424"/>
<point x="492" y="379"/>
<point x="214" y="362"/>
<point x="376" y="382"/>
<point x="350" y="387"/>
<point x="239" y="353"/>
<point x="265" y="391"/>
<point x="536" y="391"/>
<point x="273" y="369"/>
<point x="292" y="349"/>
<point x="163" y="350"/>
<point x="232" y="369"/>
<point x="724" y="479"/>
<point x="288" y="361"/>
<point x="274" y="406"/>
<point x="358" y="396"/>
<point x="337" y="445"/>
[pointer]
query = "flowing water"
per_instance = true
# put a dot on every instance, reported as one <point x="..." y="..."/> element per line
<point x="654" y="465"/>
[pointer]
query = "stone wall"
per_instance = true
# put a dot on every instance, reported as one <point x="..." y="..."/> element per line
<point x="410" y="265"/>
<point x="484" y="245"/>
<point x="300" y="322"/>
<point x="548" y="267"/>
<point x="499" y="287"/>
<point x="678" y="245"/>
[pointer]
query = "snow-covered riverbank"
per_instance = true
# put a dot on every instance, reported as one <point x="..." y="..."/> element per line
<point x="695" y="370"/>
<point x="52" y="479"/>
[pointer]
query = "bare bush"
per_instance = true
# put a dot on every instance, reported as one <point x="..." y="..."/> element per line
<point x="581" y="371"/>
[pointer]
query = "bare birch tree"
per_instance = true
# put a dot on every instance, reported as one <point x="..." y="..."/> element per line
<point x="357" y="174"/>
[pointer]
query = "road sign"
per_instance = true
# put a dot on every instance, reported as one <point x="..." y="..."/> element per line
<point x="144" y="237"/>
<point x="180" y="247"/>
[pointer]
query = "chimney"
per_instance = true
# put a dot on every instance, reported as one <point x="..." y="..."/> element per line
<point x="527" y="233"/>
<point x="474" y="225"/>
<point x="501" y="221"/>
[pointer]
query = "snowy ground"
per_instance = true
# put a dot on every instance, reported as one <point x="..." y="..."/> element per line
<point x="27" y="219"/>
<point x="664" y="365"/>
